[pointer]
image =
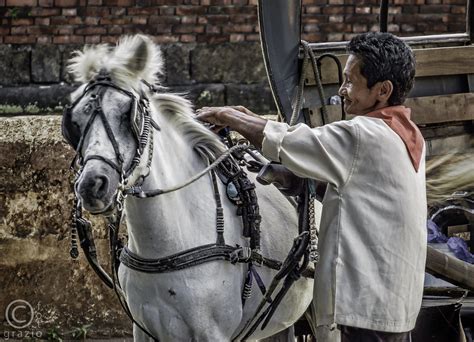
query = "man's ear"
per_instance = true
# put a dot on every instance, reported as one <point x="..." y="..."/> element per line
<point x="385" y="90"/>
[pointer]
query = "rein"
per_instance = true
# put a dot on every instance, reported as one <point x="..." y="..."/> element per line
<point x="137" y="191"/>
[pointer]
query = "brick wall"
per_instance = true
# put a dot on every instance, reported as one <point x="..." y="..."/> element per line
<point x="210" y="21"/>
<point x="336" y="20"/>
<point x="211" y="47"/>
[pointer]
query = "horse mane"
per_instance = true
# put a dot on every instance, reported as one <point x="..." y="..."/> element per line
<point x="180" y="111"/>
<point x="447" y="174"/>
<point x="133" y="59"/>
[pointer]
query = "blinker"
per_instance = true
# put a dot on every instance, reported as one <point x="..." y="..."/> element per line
<point x="70" y="133"/>
<point x="136" y="119"/>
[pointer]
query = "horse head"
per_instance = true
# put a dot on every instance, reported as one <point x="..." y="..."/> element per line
<point x="108" y="121"/>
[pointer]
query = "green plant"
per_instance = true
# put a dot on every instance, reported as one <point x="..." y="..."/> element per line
<point x="80" y="332"/>
<point x="54" y="335"/>
<point x="77" y="333"/>
<point x="14" y="12"/>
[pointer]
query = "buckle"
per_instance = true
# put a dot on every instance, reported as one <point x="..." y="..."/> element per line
<point x="241" y="254"/>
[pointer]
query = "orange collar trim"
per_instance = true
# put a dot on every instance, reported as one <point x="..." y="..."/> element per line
<point x="398" y="119"/>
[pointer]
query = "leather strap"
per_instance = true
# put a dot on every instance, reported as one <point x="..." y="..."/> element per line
<point x="194" y="256"/>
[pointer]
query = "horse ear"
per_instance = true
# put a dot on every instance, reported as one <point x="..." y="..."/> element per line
<point x="139" y="57"/>
<point x="84" y="65"/>
<point x="137" y="63"/>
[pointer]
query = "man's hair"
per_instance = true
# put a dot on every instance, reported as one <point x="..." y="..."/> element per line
<point x="385" y="57"/>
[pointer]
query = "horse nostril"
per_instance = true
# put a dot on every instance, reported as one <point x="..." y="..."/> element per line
<point x="100" y="187"/>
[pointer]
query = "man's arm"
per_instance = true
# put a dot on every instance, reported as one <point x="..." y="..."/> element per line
<point x="325" y="153"/>
<point x="238" y="119"/>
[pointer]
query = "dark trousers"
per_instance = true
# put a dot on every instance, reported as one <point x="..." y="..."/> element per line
<point x="351" y="334"/>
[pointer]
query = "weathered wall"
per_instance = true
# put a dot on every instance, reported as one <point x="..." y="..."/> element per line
<point x="35" y="211"/>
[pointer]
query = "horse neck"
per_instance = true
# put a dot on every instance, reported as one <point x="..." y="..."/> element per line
<point x="175" y="221"/>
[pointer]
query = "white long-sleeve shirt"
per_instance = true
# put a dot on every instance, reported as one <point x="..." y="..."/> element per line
<point x="372" y="240"/>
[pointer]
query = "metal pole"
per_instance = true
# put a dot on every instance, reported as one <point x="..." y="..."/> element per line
<point x="470" y="20"/>
<point x="383" y="16"/>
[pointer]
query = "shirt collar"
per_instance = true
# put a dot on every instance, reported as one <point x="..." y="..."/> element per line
<point x="398" y="119"/>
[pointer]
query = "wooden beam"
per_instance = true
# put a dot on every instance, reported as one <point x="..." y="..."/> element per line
<point x="459" y="39"/>
<point x="425" y="110"/>
<point x="430" y="62"/>
<point x="449" y="268"/>
<point x="447" y="145"/>
<point x="442" y="108"/>
<point x="444" y="61"/>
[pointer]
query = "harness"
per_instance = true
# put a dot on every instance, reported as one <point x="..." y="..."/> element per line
<point x="240" y="190"/>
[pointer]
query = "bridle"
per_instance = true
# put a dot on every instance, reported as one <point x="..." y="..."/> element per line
<point x="141" y="123"/>
<point x="140" y="120"/>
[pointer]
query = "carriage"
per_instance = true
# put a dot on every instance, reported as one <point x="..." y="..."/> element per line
<point x="441" y="98"/>
<point x="444" y="82"/>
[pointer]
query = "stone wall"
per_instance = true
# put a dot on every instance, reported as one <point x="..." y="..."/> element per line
<point x="34" y="79"/>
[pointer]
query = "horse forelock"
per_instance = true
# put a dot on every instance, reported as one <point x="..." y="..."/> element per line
<point x="133" y="59"/>
<point x="180" y="113"/>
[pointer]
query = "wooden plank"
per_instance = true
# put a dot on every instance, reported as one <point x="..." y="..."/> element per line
<point x="453" y="39"/>
<point x="425" y="110"/>
<point x="444" y="61"/>
<point x="442" y="108"/>
<point x="328" y="71"/>
<point x="430" y="62"/>
<point x="446" y="145"/>
<point x="334" y="114"/>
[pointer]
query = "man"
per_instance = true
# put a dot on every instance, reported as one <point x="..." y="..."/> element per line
<point x="372" y="245"/>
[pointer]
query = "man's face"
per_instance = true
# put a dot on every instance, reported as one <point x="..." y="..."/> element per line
<point x="358" y="99"/>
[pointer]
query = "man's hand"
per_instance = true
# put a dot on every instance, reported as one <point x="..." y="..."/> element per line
<point x="238" y="118"/>
<point x="219" y="117"/>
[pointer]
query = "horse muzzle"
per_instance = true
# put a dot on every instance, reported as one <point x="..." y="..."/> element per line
<point x="96" y="188"/>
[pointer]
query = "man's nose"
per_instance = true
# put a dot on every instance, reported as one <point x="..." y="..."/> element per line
<point x="342" y="91"/>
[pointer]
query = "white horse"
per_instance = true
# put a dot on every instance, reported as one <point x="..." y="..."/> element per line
<point x="199" y="303"/>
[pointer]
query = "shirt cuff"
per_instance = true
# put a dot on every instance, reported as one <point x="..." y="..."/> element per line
<point x="273" y="133"/>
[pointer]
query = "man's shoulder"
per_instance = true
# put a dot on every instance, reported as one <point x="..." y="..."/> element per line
<point x="370" y="123"/>
<point x="366" y="120"/>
